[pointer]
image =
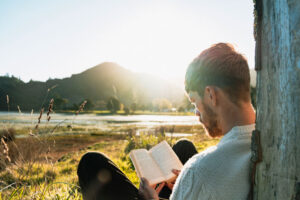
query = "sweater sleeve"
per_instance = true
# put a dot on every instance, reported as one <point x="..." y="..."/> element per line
<point x="189" y="187"/>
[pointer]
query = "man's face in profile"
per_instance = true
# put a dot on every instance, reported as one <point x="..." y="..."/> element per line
<point x="206" y="115"/>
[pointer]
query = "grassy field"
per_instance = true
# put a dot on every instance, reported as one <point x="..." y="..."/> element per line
<point x="47" y="166"/>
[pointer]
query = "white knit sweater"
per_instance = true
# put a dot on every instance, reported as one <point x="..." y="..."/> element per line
<point x="219" y="173"/>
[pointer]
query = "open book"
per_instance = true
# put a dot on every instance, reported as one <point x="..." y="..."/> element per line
<point x="156" y="164"/>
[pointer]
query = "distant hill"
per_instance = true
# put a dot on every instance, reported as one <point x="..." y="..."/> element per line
<point x="97" y="84"/>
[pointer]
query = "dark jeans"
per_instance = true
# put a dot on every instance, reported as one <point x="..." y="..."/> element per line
<point x="101" y="179"/>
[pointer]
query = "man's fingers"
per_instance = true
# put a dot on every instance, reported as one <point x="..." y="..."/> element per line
<point x="146" y="191"/>
<point x="176" y="171"/>
<point x="170" y="185"/>
<point x="160" y="187"/>
<point x="141" y="182"/>
<point x="144" y="182"/>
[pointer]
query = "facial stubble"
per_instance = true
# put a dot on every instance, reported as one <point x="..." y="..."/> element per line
<point x="211" y="122"/>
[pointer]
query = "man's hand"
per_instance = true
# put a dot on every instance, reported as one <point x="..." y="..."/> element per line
<point x="149" y="192"/>
<point x="170" y="185"/>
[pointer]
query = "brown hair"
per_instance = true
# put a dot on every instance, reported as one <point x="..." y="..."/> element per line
<point x="222" y="66"/>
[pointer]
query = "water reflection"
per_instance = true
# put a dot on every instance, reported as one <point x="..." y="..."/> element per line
<point x="92" y="119"/>
<point x="143" y="124"/>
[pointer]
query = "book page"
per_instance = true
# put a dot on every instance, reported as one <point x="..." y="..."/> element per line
<point x="166" y="158"/>
<point x="145" y="166"/>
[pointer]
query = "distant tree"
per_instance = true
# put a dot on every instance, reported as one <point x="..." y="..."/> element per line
<point x="60" y="103"/>
<point x="133" y="107"/>
<point x="161" y="104"/>
<point x="126" y="110"/>
<point x="121" y="106"/>
<point x="181" y="109"/>
<point x="149" y="106"/>
<point x="143" y="107"/>
<point x="100" y="105"/>
<point x="74" y="107"/>
<point x="113" y="105"/>
<point x="166" y="104"/>
<point x="186" y="104"/>
<point x="89" y="104"/>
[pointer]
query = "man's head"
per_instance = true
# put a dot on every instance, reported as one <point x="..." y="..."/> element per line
<point x="218" y="77"/>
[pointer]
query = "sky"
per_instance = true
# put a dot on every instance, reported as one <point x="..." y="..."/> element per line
<point x="55" y="39"/>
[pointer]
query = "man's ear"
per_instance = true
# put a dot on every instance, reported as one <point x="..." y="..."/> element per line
<point x="211" y="94"/>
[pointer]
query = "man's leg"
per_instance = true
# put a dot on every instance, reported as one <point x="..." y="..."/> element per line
<point x="184" y="149"/>
<point x="101" y="179"/>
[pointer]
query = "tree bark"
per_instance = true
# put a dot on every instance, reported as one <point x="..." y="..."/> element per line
<point x="278" y="99"/>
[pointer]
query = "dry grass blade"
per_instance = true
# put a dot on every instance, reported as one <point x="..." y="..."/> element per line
<point x="5" y="150"/>
<point x="7" y="101"/>
<point x="50" y="109"/>
<point x="19" y="109"/>
<point x="47" y="93"/>
<point x="39" y="119"/>
<point x="81" y="107"/>
<point x="30" y="133"/>
<point x="54" y="86"/>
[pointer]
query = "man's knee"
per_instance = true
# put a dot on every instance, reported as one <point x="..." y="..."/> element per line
<point x="184" y="149"/>
<point x="89" y="166"/>
<point x="91" y="157"/>
<point x="92" y="161"/>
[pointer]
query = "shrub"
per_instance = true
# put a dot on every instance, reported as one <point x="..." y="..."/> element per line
<point x="146" y="140"/>
<point x="67" y="170"/>
<point x="50" y="175"/>
<point x="7" y="178"/>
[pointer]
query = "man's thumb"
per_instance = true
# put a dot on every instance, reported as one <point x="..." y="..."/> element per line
<point x="144" y="182"/>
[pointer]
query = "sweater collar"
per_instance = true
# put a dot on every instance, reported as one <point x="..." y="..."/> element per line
<point x="237" y="132"/>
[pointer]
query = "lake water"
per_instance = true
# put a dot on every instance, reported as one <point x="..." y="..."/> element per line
<point x="97" y="121"/>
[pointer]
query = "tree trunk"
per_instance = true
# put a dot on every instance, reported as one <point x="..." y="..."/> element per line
<point x="278" y="99"/>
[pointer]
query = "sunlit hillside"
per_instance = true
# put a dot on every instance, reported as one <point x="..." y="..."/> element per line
<point x="96" y="84"/>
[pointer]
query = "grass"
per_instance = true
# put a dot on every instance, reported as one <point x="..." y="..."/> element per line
<point x="43" y="164"/>
<point x="52" y="174"/>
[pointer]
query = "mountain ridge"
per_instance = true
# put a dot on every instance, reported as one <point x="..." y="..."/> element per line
<point x="97" y="84"/>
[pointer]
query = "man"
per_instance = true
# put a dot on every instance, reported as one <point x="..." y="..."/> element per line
<point x="218" y="84"/>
